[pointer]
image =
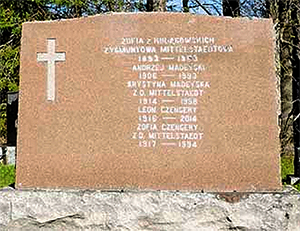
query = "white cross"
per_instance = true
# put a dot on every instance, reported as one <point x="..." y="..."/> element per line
<point x="51" y="57"/>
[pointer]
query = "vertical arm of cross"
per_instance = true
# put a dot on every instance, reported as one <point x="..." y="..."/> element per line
<point x="51" y="57"/>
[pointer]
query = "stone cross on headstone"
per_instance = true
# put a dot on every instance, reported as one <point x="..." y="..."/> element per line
<point x="51" y="57"/>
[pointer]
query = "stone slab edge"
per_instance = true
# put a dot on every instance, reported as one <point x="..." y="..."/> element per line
<point x="148" y="210"/>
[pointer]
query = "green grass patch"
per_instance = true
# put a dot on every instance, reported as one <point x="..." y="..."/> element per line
<point x="287" y="166"/>
<point x="297" y="186"/>
<point x="7" y="175"/>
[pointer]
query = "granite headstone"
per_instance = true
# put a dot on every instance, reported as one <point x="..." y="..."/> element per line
<point x="150" y="101"/>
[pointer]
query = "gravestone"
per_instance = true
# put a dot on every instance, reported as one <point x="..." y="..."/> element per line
<point x="149" y="101"/>
<point x="12" y="118"/>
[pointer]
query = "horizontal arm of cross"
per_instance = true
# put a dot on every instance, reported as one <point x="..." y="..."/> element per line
<point x="45" y="57"/>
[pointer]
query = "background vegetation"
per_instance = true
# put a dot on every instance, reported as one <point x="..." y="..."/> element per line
<point x="285" y="14"/>
<point x="7" y="175"/>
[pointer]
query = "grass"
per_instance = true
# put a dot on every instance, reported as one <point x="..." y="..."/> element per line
<point x="7" y="175"/>
<point x="287" y="168"/>
<point x="297" y="186"/>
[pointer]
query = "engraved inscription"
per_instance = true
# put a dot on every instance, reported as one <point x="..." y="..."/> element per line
<point x="168" y="87"/>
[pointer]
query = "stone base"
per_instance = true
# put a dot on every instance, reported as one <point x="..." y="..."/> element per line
<point x="11" y="155"/>
<point x="152" y="210"/>
<point x="2" y="150"/>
